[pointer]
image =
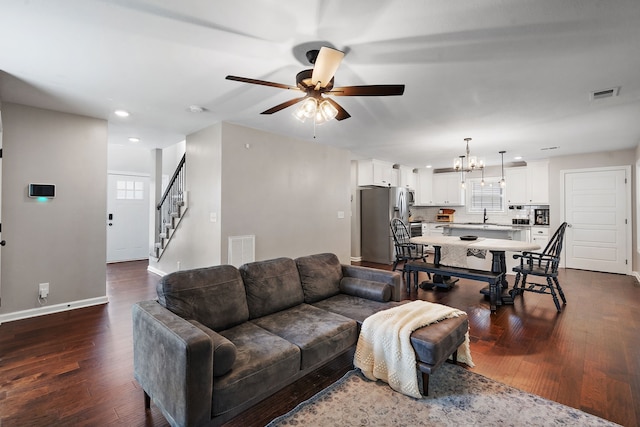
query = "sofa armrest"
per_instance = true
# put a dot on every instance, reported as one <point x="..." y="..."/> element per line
<point x="392" y="278"/>
<point x="173" y="362"/>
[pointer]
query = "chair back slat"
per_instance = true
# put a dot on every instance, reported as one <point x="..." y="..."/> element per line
<point x="554" y="247"/>
<point x="400" y="232"/>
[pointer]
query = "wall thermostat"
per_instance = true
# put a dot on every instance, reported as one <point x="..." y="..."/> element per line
<point x="42" y="190"/>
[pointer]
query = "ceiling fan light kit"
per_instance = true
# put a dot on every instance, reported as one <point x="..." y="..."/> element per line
<point x="318" y="81"/>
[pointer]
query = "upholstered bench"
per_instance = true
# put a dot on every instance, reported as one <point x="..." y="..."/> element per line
<point x="433" y="344"/>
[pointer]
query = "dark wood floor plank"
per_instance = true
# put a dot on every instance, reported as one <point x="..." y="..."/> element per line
<point x="76" y="368"/>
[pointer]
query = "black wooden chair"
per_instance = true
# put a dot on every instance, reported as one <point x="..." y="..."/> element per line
<point x="405" y="250"/>
<point x="544" y="264"/>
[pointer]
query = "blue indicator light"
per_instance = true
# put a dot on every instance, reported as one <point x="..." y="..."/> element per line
<point x="42" y="199"/>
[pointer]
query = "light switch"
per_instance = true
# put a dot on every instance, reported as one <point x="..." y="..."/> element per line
<point x="340" y="214"/>
<point x="213" y="217"/>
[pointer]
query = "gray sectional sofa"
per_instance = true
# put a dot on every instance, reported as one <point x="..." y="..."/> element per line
<point x="220" y="339"/>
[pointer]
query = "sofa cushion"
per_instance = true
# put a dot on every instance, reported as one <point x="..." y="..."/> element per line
<point x="320" y="335"/>
<point x="264" y="362"/>
<point x="224" y="351"/>
<point x="214" y="296"/>
<point x="271" y="286"/>
<point x="375" y="291"/>
<point x="320" y="276"/>
<point x="435" y="342"/>
<point x="353" y="307"/>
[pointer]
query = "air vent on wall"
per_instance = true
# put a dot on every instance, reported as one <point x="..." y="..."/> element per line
<point x="604" y="93"/>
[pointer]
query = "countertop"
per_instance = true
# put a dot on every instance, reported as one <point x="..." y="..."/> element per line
<point x="480" y="243"/>
<point x="479" y="225"/>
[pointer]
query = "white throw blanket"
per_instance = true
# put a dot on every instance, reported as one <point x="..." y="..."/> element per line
<point x="384" y="348"/>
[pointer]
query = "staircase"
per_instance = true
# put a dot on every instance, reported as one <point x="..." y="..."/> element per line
<point x="170" y="210"/>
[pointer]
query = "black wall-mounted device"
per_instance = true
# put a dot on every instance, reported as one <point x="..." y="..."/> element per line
<point x="42" y="190"/>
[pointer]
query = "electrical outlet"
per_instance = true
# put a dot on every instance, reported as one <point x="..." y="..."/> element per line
<point x="43" y="290"/>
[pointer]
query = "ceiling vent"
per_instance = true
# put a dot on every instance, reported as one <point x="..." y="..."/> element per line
<point x="604" y="93"/>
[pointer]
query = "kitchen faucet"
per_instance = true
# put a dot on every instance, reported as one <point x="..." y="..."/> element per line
<point x="485" y="218"/>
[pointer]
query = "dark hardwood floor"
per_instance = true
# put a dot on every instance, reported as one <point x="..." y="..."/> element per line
<point x="75" y="368"/>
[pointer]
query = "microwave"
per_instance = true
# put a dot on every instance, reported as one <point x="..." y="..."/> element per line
<point x="411" y="197"/>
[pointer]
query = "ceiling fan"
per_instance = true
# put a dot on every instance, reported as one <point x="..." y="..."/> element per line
<point x="318" y="82"/>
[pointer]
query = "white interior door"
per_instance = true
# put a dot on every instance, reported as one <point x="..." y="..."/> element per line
<point x="597" y="209"/>
<point x="127" y="218"/>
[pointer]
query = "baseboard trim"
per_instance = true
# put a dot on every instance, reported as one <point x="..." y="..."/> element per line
<point x="356" y="259"/>
<point x="636" y="275"/>
<point x="156" y="271"/>
<point x="50" y="309"/>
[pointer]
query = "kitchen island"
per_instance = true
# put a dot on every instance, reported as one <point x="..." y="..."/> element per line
<point x="488" y="230"/>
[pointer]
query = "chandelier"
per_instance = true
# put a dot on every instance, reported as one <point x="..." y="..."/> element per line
<point x="468" y="163"/>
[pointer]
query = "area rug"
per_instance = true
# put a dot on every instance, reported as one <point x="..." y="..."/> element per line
<point x="457" y="397"/>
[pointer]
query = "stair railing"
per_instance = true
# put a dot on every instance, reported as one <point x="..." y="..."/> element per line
<point x="169" y="207"/>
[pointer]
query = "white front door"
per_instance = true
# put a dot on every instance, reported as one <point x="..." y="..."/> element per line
<point x="597" y="209"/>
<point x="127" y="217"/>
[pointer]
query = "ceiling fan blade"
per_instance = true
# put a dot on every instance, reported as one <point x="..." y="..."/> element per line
<point x="372" y="90"/>
<point x="283" y="105"/>
<point x="261" y="82"/>
<point x="326" y="65"/>
<point x="342" y="113"/>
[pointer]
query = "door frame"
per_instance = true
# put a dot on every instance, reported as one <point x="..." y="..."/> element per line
<point x="627" y="213"/>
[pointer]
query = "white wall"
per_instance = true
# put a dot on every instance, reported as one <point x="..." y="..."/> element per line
<point x="61" y="241"/>
<point x="129" y="158"/>
<point x="171" y="156"/>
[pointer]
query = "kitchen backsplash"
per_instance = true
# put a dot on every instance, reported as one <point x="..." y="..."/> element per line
<point x="461" y="215"/>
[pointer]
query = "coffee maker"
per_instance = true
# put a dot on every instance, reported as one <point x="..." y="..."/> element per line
<point x="541" y="216"/>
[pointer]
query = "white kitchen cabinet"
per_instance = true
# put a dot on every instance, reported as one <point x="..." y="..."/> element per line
<point x="424" y="187"/>
<point x="540" y="236"/>
<point x="377" y="173"/>
<point x="447" y="189"/>
<point x="538" y="182"/>
<point x="407" y="179"/>
<point x="516" y="188"/>
<point x="528" y="185"/>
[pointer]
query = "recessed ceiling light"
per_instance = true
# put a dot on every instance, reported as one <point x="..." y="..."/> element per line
<point x="517" y="158"/>
<point x="195" y="109"/>
<point x="134" y="139"/>
<point x="121" y="113"/>
<point x="428" y="166"/>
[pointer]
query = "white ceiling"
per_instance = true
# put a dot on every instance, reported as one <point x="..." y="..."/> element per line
<point x="513" y="75"/>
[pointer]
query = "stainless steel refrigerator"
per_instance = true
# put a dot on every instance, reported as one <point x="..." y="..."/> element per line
<point x="378" y="206"/>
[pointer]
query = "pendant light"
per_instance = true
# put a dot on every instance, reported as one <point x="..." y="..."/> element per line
<point x="503" y="183"/>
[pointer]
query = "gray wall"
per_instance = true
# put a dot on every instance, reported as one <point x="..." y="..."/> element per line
<point x="61" y="241"/>
<point x="591" y="160"/>
<point x="196" y="243"/>
<point x="284" y="191"/>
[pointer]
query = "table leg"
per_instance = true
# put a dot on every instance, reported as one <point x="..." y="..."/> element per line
<point x="498" y="265"/>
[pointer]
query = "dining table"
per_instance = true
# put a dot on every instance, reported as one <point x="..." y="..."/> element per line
<point x="457" y="248"/>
